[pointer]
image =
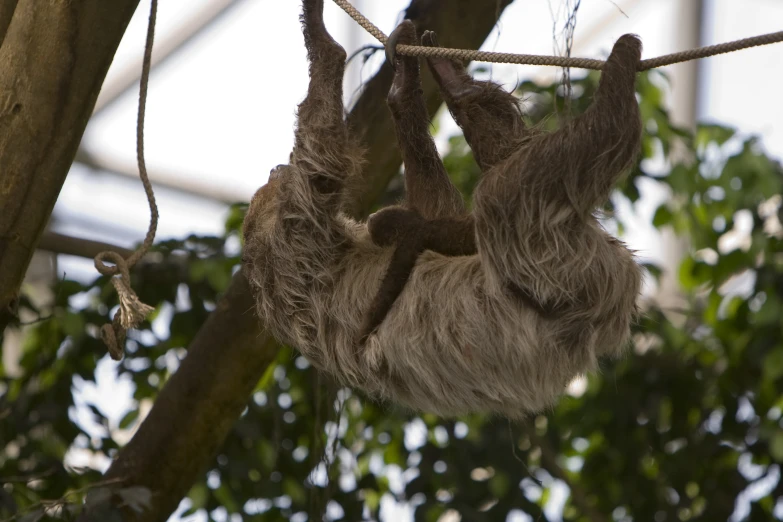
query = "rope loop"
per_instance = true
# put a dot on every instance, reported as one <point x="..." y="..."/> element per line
<point x="132" y="311"/>
<point x="120" y="265"/>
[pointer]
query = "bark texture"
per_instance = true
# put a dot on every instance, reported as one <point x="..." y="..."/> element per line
<point x="200" y="403"/>
<point x="7" y="8"/>
<point x="53" y="60"/>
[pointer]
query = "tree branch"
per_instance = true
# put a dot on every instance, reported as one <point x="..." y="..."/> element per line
<point x="160" y="177"/>
<point x="52" y="63"/>
<point x="200" y="403"/>
<point x="77" y="246"/>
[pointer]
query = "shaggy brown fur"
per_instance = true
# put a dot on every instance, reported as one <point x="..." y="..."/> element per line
<point x="458" y="338"/>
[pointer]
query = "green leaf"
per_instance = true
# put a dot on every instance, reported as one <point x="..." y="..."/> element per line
<point x="499" y="484"/>
<point x="773" y="365"/>
<point x="294" y="490"/>
<point x="236" y="216"/>
<point x="663" y="216"/>
<point x="710" y="133"/>
<point x="694" y="274"/>
<point x="776" y="446"/>
<point x="266" y="380"/>
<point x="225" y="496"/>
<point x="770" y="312"/>
<point x="128" y="419"/>
<point x="198" y="496"/>
<point x="219" y="278"/>
<point x="372" y="499"/>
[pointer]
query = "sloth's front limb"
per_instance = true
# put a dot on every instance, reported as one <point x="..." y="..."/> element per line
<point x="534" y="223"/>
<point x="428" y="188"/>
<point x="580" y="163"/>
<point x="489" y="116"/>
<point x="323" y="150"/>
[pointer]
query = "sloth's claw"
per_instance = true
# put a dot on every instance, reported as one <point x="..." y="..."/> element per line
<point x="391" y="48"/>
<point x="404" y="34"/>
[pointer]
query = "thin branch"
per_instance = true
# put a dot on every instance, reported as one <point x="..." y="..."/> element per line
<point x="76" y="246"/>
<point x="153" y="267"/>
<point x="161" y="178"/>
<point x="620" y="9"/>
<point x="48" y="505"/>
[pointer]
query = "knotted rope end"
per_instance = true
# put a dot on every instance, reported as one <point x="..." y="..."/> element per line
<point x="132" y="311"/>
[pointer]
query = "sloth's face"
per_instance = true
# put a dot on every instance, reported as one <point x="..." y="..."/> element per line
<point x="262" y="214"/>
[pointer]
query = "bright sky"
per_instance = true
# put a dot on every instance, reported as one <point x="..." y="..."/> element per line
<point x="221" y="112"/>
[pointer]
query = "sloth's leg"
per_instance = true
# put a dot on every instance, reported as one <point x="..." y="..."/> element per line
<point x="489" y="116"/>
<point x="531" y="211"/>
<point x="397" y="274"/>
<point x="451" y="236"/>
<point x="391" y="224"/>
<point x="428" y="188"/>
<point x="607" y="137"/>
<point x="323" y="150"/>
<point x="323" y="105"/>
<point x="584" y="159"/>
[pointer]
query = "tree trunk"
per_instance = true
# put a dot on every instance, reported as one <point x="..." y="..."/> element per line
<point x="200" y="403"/>
<point x="7" y="8"/>
<point x="53" y="59"/>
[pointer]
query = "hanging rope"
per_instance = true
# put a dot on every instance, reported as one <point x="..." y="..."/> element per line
<point x="558" y="61"/>
<point x="132" y="311"/>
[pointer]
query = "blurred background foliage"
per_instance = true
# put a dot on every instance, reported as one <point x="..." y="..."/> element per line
<point x="687" y="427"/>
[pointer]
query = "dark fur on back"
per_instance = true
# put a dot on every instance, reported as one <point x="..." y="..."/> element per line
<point x="457" y="337"/>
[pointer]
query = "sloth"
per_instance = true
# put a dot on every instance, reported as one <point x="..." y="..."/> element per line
<point x="499" y="309"/>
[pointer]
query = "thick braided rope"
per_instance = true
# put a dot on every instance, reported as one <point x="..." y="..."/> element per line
<point x="711" y="50"/>
<point x="132" y="311"/>
<point x="558" y="61"/>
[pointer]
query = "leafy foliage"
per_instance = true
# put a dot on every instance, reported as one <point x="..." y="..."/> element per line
<point x="687" y="427"/>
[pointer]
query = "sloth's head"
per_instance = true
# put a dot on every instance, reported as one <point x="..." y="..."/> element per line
<point x="262" y="214"/>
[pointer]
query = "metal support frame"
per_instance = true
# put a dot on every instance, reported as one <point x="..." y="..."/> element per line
<point x="118" y="167"/>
